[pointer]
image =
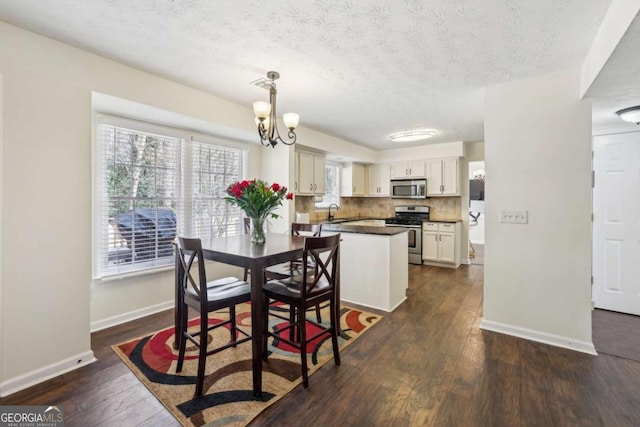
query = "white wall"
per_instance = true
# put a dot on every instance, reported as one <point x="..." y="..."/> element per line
<point x="538" y="149"/>
<point x="278" y="167"/>
<point x="474" y="151"/>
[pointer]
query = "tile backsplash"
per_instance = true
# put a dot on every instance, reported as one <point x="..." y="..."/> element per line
<point x="380" y="207"/>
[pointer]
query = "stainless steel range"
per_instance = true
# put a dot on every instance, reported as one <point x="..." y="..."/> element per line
<point x="411" y="217"/>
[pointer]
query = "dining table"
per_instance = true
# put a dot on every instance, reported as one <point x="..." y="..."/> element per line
<point x="240" y="251"/>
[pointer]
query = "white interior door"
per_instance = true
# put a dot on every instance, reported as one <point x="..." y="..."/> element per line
<point x="616" y="226"/>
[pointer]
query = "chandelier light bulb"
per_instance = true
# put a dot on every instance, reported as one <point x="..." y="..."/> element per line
<point x="261" y="109"/>
<point x="291" y="120"/>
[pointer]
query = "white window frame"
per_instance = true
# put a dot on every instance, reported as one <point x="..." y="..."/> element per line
<point x="321" y="204"/>
<point x="100" y="220"/>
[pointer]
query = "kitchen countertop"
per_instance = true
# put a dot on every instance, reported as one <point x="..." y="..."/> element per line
<point x="339" y="220"/>
<point x="362" y="229"/>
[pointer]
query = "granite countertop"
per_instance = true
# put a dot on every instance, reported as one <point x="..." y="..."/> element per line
<point x="337" y="220"/>
<point x="362" y="229"/>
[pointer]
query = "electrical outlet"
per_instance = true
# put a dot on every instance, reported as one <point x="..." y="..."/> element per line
<point x="520" y="217"/>
<point x="506" y="216"/>
<point x="514" y="217"/>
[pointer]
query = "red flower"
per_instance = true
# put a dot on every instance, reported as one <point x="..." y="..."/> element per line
<point x="244" y="184"/>
<point x="237" y="191"/>
<point x="275" y="186"/>
<point x="290" y="196"/>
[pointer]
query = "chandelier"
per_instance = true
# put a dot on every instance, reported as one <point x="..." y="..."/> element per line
<point x="266" y="115"/>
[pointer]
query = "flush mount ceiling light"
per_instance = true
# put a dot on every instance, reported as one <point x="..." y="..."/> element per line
<point x="631" y="114"/>
<point x="266" y="115"/>
<point x="412" y="135"/>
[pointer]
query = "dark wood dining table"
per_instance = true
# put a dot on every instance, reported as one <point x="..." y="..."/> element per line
<point x="239" y="251"/>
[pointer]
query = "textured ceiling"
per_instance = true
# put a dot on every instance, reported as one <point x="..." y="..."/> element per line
<point x="356" y="69"/>
<point x="618" y="83"/>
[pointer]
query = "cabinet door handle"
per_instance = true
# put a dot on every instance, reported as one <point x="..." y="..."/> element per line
<point x="295" y="185"/>
<point x="315" y="187"/>
<point x="409" y="171"/>
<point x="311" y="187"/>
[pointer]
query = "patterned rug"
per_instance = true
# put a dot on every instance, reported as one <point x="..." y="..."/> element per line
<point x="228" y="396"/>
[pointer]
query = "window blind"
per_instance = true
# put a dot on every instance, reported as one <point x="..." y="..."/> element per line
<point x="153" y="186"/>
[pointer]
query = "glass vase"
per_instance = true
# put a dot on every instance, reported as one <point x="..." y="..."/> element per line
<point x="258" y="229"/>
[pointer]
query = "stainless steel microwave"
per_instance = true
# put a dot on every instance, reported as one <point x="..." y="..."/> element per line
<point x="409" y="188"/>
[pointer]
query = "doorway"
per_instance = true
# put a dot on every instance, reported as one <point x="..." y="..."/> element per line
<point x="616" y="248"/>
<point x="616" y="223"/>
<point x="476" y="212"/>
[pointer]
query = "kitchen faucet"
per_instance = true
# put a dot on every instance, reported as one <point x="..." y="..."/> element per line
<point x="330" y="217"/>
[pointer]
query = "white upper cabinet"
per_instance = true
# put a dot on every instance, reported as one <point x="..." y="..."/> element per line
<point x="378" y="177"/>
<point x="443" y="177"/>
<point x="353" y="181"/>
<point x="310" y="174"/>
<point x="408" y="169"/>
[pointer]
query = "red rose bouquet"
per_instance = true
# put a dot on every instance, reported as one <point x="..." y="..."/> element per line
<point x="258" y="200"/>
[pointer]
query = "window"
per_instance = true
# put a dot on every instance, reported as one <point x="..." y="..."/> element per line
<point x="331" y="187"/>
<point x="153" y="183"/>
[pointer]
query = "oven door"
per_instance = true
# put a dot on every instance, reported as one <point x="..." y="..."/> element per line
<point x="415" y="243"/>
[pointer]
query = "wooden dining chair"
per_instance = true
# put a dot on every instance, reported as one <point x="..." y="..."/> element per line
<point x="294" y="268"/>
<point x="313" y="290"/>
<point x="204" y="297"/>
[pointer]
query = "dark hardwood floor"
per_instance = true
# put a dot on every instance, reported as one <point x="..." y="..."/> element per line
<point x="617" y="334"/>
<point x="427" y="363"/>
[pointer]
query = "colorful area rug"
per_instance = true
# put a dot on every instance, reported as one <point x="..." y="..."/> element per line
<point x="228" y="396"/>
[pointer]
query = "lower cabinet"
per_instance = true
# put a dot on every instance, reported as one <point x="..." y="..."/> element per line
<point x="441" y="244"/>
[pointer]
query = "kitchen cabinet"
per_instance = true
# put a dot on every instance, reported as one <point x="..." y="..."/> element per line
<point x="378" y="177"/>
<point x="310" y="174"/>
<point x="408" y="169"/>
<point x="441" y="244"/>
<point x="443" y="177"/>
<point x="353" y="180"/>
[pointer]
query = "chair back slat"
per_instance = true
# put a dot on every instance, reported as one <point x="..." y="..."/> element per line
<point x="299" y="229"/>
<point x="324" y="253"/>
<point x="189" y="251"/>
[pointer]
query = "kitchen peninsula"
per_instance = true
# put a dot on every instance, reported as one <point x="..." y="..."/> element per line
<point x="362" y="247"/>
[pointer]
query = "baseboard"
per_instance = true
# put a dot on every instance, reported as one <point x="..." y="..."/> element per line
<point x="530" y="334"/>
<point x="440" y="264"/>
<point x="39" y="375"/>
<point x="99" y="325"/>
<point x="371" y="306"/>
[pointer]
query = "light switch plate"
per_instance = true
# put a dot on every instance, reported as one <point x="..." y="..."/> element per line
<point x="514" y="217"/>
